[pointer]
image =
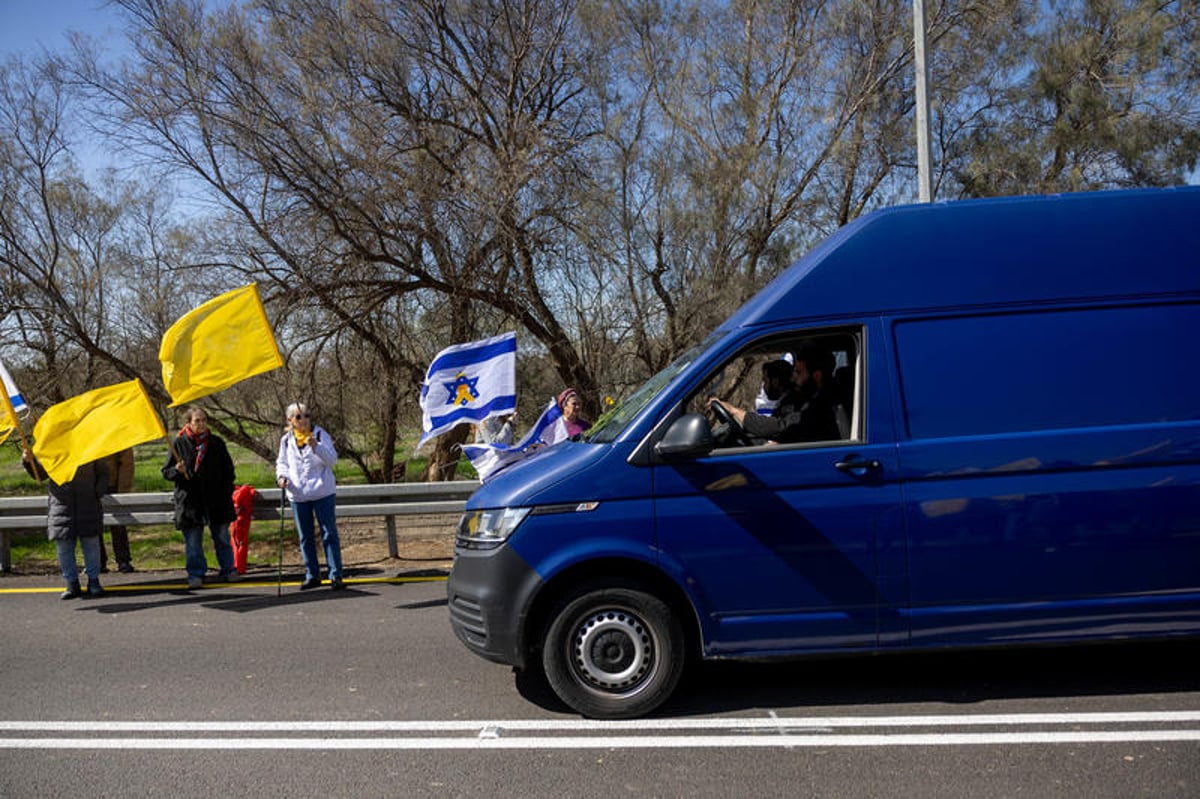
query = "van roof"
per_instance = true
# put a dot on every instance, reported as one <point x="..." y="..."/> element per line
<point x="1010" y="250"/>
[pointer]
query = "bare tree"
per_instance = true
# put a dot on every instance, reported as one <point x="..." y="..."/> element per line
<point x="608" y="178"/>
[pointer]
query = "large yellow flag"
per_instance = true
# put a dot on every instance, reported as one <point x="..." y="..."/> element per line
<point x="92" y="426"/>
<point x="225" y="340"/>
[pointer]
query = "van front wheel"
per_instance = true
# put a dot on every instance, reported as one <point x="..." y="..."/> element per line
<point x="613" y="653"/>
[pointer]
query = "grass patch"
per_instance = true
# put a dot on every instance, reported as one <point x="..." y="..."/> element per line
<point x="157" y="546"/>
<point x="152" y="547"/>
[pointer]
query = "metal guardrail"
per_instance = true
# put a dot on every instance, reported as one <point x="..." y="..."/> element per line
<point x="386" y="500"/>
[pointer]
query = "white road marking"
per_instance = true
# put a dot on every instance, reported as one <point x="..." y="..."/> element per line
<point x="774" y="723"/>
<point x="614" y="741"/>
<point x="781" y="732"/>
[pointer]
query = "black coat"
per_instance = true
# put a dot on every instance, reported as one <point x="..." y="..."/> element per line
<point x="75" y="509"/>
<point x="207" y="496"/>
<point x="796" y="418"/>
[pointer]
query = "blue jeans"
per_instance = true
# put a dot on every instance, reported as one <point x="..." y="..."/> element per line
<point x="66" y="557"/>
<point x="193" y="549"/>
<point x="325" y="509"/>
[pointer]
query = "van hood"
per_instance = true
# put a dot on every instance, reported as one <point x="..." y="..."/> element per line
<point x="570" y="471"/>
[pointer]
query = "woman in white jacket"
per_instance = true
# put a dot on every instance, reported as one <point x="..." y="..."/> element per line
<point x="304" y="469"/>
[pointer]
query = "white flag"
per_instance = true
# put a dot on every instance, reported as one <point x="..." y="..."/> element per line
<point x="467" y="383"/>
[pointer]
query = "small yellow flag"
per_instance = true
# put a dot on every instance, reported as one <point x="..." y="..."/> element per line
<point x="92" y="426"/>
<point x="8" y="414"/>
<point x="225" y="340"/>
<point x="8" y="419"/>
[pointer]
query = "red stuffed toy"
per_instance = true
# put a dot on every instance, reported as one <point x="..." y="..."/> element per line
<point x="239" y="531"/>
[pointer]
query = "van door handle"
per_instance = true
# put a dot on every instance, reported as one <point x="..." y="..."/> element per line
<point x="859" y="467"/>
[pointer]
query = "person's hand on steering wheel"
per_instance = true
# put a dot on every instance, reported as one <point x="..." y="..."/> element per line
<point x="728" y="417"/>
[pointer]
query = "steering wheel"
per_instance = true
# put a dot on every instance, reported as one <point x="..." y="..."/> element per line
<point x="734" y="431"/>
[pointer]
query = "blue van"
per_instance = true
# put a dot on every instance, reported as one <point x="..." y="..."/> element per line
<point x="1014" y="458"/>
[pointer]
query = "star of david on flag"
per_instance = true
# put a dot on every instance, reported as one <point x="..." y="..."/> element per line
<point x="463" y="390"/>
<point x="467" y="383"/>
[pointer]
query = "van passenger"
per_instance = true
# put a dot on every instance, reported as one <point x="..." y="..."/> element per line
<point x="806" y="412"/>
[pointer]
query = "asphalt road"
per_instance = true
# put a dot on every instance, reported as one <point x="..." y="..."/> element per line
<point x="243" y="690"/>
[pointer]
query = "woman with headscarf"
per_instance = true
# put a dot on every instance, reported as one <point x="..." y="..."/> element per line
<point x="571" y="407"/>
<point x="202" y="471"/>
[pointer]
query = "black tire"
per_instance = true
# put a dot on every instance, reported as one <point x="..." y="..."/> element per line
<point x="614" y="652"/>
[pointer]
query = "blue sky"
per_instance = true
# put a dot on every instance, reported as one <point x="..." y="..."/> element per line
<point x="28" y="26"/>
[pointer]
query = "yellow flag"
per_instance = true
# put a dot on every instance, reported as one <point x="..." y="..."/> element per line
<point x="92" y="426"/>
<point x="225" y="340"/>
<point x="8" y="397"/>
<point x="8" y="418"/>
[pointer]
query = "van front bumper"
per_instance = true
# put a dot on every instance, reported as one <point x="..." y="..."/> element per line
<point x="488" y="594"/>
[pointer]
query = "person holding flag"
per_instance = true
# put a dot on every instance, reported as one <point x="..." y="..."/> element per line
<point x="70" y="443"/>
<point x="561" y="420"/>
<point x="202" y="471"/>
<point x="75" y="515"/>
<point x="573" y="422"/>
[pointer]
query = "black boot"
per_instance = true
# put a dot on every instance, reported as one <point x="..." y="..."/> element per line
<point x="73" y="591"/>
<point x="95" y="589"/>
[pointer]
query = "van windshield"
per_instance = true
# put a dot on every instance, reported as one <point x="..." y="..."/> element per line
<point x="613" y="422"/>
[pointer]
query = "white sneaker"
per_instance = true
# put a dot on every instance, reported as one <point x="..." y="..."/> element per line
<point x="194" y="582"/>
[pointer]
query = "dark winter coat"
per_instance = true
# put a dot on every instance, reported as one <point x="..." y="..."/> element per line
<point x="800" y="416"/>
<point x="207" y="496"/>
<point x="74" y="507"/>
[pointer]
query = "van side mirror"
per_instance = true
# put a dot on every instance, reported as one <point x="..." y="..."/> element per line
<point x="689" y="436"/>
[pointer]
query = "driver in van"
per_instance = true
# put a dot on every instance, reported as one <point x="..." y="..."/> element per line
<point x="806" y="412"/>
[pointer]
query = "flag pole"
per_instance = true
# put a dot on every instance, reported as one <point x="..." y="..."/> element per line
<point x="37" y="473"/>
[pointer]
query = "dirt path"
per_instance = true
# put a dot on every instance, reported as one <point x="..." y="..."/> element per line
<point x="425" y="542"/>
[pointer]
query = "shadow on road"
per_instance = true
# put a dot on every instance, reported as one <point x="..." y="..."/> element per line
<point x="950" y="677"/>
<point x="960" y="678"/>
<point x="231" y="600"/>
<point x="235" y="597"/>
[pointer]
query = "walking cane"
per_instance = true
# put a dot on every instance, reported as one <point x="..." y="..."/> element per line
<point x="279" y="580"/>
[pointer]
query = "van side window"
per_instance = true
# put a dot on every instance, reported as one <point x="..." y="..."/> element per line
<point x="792" y="389"/>
<point x="1048" y="370"/>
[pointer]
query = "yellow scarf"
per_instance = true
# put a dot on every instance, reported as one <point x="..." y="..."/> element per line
<point x="301" y="437"/>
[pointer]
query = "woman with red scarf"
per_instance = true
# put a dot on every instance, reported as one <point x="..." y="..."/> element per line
<point x="200" y="466"/>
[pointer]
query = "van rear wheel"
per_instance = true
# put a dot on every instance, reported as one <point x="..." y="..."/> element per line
<point x="613" y="653"/>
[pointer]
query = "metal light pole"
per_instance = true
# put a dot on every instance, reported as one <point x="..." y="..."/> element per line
<point x="924" y="183"/>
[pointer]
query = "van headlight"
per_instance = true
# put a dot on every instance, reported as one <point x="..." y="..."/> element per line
<point x="484" y="529"/>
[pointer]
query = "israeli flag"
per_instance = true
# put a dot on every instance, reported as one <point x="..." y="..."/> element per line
<point x="491" y="458"/>
<point x="14" y="396"/>
<point x="467" y="383"/>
